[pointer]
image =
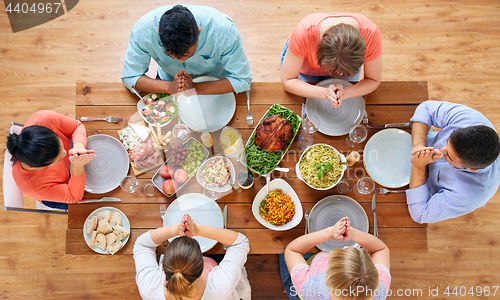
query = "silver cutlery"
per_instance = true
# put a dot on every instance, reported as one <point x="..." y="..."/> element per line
<point x="137" y="93"/>
<point x="103" y="199"/>
<point x="268" y="179"/>
<point x="224" y="214"/>
<point x="306" y="216"/>
<point x="384" y="126"/>
<point x="374" y="210"/>
<point x="249" y="115"/>
<point x="385" y="191"/>
<point x="107" y="119"/>
<point x="365" y="117"/>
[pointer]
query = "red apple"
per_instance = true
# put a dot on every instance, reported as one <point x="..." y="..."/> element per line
<point x="167" y="171"/>
<point x="180" y="175"/>
<point x="169" y="186"/>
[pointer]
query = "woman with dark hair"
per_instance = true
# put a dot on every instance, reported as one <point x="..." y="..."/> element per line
<point x="343" y="274"/>
<point x="43" y="153"/>
<point x="184" y="272"/>
<point x="323" y="45"/>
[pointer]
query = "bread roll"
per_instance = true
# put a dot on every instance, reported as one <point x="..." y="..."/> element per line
<point x="100" y="241"/>
<point x="121" y="232"/>
<point x="111" y="238"/>
<point x="92" y="239"/>
<point x="113" y="248"/>
<point x="116" y="220"/>
<point x="104" y="214"/>
<point x="104" y="227"/>
<point x="91" y="224"/>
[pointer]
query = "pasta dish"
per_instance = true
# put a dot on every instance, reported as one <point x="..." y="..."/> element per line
<point x="318" y="154"/>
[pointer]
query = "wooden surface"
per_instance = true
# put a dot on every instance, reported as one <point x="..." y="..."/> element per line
<point x="451" y="45"/>
<point x="143" y="212"/>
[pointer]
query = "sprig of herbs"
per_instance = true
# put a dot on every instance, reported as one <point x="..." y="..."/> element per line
<point x="322" y="168"/>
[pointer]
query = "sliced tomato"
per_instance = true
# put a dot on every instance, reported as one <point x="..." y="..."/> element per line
<point x="167" y="106"/>
<point x="165" y="119"/>
<point x="147" y="112"/>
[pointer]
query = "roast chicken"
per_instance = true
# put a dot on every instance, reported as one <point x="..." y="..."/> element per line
<point x="273" y="134"/>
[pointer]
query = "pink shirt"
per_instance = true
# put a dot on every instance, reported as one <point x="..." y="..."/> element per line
<point x="53" y="183"/>
<point x="304" y="40"/>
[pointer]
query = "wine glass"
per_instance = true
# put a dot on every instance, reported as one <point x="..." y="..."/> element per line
<point x="309" y="126"/>
<point x="180" y="132"/>
<point x="211" y="194"/>
<point x="356" y="135"/>
<point x="131" y="185"/>
<point x="364" y="186"/>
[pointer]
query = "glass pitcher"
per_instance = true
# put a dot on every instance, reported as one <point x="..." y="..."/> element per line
<point x="231" y="142"/>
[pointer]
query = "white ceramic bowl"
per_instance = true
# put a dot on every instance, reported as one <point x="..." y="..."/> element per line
<point x="141" y="106"/>
<point x="287" y="189"/>
<point x="342" y="159"/>
<point x="223" y="188"/>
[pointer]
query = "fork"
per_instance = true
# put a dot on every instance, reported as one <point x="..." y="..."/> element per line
<point x="249" y="115"/>
<point x="306" y="216"/>
<point x="107" y="119"/>
<point x="385" y="191"/>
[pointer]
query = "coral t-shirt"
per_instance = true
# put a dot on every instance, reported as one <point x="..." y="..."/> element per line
<point x="54" y="183"/>
<point x="304" y="40"/>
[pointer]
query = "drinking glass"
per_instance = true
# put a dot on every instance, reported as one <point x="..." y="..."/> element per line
<point x="180" y="132"/>
<point x="131" y="185"/>
<point x="344" y="186"/>
<point x="211" y="194"/>
<point x="310" y="124"/>
<point x="148" y="188"/>
<point x="356" y="135"/>
<point x="305" y="140"/>
<point x="364" y="186"/>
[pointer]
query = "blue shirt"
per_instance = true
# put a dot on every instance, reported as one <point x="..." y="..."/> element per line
<point x="450" y="192"/>
<point x="219" y="52"/>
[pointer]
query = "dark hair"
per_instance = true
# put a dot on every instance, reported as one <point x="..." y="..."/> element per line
<point x="182" y="264"/>
<point x="178" y="31"/>
<point x="476" y="146"/>
<point x="341" y="50"/>
<point x="36" y="146"/>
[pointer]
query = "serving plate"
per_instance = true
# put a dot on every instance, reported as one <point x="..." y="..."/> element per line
<point x="88" y="236"/>
<point x="202" y="210"/>
<point x="110" y="164"/>
<point x="206" y="112"/>
<point x="329" y="210"/>
<point x="158" y="180"/>
<point x="336" y="121"/>
<point x="342" y="159"/>
<point x="141" y="106"/>
<point x="287" y="189"/>
<point x="224" y="188"/>
<point x="387" y="157"/>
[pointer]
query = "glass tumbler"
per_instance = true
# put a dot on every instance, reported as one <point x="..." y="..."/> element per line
<point x="148" y="188"/>
<point x="364" y="186"/>
<point x="131" y="185"/>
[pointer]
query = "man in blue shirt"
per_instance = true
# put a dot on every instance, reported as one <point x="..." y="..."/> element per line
<point x="464" y="168"/>
<point x="186" y="42"/>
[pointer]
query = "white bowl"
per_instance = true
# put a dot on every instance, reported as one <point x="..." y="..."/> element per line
<point x="141" y="106"/>
<point x="223" y="188"/>
<point x="287" y="189"/>
<point x="342" y="159"/>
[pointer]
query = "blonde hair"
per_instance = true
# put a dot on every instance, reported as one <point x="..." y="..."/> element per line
<point x="349" y="269"/>
<point x="182" y="264"/>
<point x="341" y="50"/>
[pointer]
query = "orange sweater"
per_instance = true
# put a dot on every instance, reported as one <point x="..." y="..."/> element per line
<point x="304" y="40"/>
<point x="54" y="183"/>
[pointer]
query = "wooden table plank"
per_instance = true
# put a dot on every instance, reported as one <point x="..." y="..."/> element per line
<point x="265" y="241"/>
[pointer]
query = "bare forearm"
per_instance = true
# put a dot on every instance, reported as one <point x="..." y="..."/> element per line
<point x="367" y="241"/>
<point x="159" y="235"/>
<point x="419" y="134"/>
<point x="223" y="236"/>
<point x="150" y="85"/>
<point x="221" y="86"/>
<point x="306" y="242"/>
<point x="365" y="86"/>
<point x="298" y="87"/>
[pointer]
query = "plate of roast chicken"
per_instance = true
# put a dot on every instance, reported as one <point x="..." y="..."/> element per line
<point x="271" y="139"/>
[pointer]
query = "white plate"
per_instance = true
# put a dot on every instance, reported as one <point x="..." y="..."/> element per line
<point x="299" y="176"/>
<point x="287" y="189"/>
<point x="141" y="105"/>
<point x="110" y="164"/>
<point x="336" y="121"/>
<point x="224" y="188"/>
<point x="329" y="210"/>
<point x="203" y="211"/>
<point x="125" y="224"/>
<point x="387" y="157"/>
<point x="206" y="112"/>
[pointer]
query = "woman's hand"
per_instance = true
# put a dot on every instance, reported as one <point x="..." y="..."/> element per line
<point x="80" y="159"/>
<point x="335" y="94"/>
<point x="188" y="227"/>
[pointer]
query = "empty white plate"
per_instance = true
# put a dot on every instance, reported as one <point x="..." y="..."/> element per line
<point x="387" y="157"/>
<point x="336" y="121"/>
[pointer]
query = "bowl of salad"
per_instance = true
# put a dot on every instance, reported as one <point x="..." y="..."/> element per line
<point x="217" y="174"/>
<point x="158" y="109"/>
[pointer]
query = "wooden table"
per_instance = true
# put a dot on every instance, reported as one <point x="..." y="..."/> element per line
<point x="392" y="102"/>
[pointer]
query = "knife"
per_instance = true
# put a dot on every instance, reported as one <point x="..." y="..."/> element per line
<point x="103" y="199"/>
<point x="374" y="210"/>
<point x="384" y="126"/>
<point x="224" y="213"/>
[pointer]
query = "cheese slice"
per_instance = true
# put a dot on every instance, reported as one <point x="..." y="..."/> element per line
<point x="142" y="131"/>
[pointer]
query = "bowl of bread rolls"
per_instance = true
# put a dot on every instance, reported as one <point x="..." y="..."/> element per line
<point x="106" y="230"/>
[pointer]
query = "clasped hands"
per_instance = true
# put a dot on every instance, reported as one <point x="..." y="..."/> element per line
<point x="187" y="227"/>
<point x="421" y="156"/>
<point x="80" y="156"/>
<point x="182" y="82"/>
<point x="341" y="231"/>
<point x="335" y="94"/>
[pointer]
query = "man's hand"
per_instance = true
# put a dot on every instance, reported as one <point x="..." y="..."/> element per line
<point x="186" y="81"/>
<point x="423" y="157"/>
<point x="419" y="148"/>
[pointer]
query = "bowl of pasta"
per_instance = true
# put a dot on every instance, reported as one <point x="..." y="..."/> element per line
<point x="321" y="166"/>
